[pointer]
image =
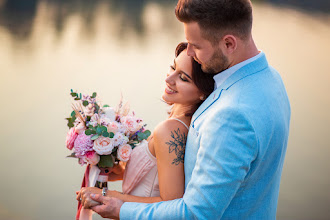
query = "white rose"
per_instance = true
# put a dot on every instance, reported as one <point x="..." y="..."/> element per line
<point x="109" y="113"/>
<point x="104" y="120"/>
<point x="103" y="145"/>
<point x="119" y="139"/>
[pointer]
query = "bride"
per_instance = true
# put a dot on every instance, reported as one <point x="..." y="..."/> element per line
<point x="155" y="171"/>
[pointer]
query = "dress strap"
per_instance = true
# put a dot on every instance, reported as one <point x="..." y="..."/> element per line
<point x="181" y="122"/>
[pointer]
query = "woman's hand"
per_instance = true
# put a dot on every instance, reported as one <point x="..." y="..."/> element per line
<point x="84" y="196"/>
<point x="117" y="172"/>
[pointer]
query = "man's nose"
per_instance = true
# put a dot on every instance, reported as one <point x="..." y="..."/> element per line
<point x="190" y="51"/>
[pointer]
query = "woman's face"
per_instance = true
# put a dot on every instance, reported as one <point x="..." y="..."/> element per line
<point x="180" y="88"/>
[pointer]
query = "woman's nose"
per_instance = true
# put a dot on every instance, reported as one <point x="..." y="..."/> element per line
<point x="170" y="78"/>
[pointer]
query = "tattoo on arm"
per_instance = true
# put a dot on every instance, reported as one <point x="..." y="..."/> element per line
<point x="177" y="144"/>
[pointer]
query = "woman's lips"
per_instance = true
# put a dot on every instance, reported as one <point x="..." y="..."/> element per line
<point x="168" y="90"/>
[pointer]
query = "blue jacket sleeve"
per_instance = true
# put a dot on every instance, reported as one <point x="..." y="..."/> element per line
<point x="228" y="147"/>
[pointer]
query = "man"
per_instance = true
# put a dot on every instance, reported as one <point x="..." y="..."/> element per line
<point x="238" y="137"/>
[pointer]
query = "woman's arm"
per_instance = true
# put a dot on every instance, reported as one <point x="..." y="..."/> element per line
<point x="169" y="140"/>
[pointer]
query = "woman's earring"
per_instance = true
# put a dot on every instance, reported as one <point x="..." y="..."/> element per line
<point x="202" y="97"/>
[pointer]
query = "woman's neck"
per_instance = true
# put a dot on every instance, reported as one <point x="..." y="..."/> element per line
<point x="179" y="110"/>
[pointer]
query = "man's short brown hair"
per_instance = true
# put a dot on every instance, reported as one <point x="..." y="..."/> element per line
<point x="217" y="18"/>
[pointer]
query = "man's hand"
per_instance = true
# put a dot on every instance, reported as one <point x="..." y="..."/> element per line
<point x="109" y="208"/>
<point x="84" y="196"/>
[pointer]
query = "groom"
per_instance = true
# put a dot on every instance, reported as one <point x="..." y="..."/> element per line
<point x="238" y="136"/>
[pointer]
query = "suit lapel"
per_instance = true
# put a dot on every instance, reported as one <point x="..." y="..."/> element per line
<point x="206" y="104"/>
<point x="247" y="70"/>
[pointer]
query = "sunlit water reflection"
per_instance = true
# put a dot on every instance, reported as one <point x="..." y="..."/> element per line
<point x="112" y="49"/>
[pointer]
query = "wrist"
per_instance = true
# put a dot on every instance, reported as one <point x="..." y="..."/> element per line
<point x="104" y="191"/>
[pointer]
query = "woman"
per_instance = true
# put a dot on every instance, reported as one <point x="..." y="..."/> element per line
<point x="155" y="170"/>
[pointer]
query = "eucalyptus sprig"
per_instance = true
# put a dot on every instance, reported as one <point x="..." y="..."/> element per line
<point x="98" y="131"/>
<point x="72" y="119"/>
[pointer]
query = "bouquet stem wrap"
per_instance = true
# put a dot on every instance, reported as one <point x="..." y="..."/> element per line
<point x="90" y="177"/>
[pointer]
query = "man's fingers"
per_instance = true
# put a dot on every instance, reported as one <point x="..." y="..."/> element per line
<point x="97" y="198"/>
<point x="97" y="208"/>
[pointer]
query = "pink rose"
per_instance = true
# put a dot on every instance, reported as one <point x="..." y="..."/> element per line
<point x="92" y="157"/>
<point x="124" y="152"/>
<point x="115" y="127"/>
<point x="103" y="145"/>
<point x="70" y="138"/>
<point x="130" y="123"/>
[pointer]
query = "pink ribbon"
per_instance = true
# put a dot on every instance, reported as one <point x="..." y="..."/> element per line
<point x="83" y="184"/>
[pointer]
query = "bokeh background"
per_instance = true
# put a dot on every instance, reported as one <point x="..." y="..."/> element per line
<point x="114" y="47"/>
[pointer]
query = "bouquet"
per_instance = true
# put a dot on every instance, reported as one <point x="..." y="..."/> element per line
<point x="101" y="136"/>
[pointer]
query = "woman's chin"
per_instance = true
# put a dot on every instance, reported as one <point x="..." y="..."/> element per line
<point x="167" y="100"/>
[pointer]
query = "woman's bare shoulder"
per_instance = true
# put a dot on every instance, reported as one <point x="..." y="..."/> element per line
<point x="166" y="129"/>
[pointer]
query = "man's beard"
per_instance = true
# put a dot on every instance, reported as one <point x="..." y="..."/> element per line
<point x="217" y="63"/>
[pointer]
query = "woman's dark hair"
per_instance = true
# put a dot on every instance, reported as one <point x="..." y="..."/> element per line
<point x="203" y="81"/>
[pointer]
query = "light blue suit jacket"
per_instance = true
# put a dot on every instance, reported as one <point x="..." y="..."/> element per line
<point x="234" y="153"/>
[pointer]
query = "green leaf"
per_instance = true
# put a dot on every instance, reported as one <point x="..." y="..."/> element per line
<point x="103" y="128"/>
<point x="140" y="136"/>
<point x="88" y="118"/>
<point x="71" y="90"/>
<point x="105" y="134"/>
<point x="73" y="113"/>
<point x="111" y="134"/>
<point x="73" y="94"/>
<point x="88" y="132"/>
<point x="76" y="98"/>
<point x="95" y="137"/>
<point x="93" y="131"/>
<point x="147" y="133"/>
<point x="73" y="118"/>
<point x="104" y="106"/>
<point x="72" y="155"/>
<point x="98" y="130"/>
<point x="80" y="95"/>
<point x="105" y="161"/>
<point x="97" y="108"/>
<point x="143" y="135"/>
<point x="94" y="95"/>
<point x="70" y="124"/>
<point x="85" y="103"/>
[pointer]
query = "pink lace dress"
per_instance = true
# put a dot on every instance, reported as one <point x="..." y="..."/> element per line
<point x="141" y="174"/>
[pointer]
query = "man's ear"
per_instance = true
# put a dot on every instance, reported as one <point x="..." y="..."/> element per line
<point x="229" y="43"/>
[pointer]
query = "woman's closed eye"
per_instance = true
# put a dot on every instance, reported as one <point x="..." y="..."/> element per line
<point x="183" y="77"/>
